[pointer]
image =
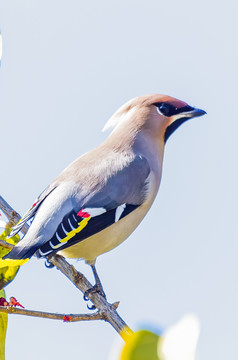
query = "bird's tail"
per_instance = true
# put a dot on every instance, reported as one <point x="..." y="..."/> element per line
<point x="12" y="262"/>
<point x="18" y="256"/>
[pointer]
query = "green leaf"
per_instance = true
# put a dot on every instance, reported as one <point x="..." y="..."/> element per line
<point x="141" y="345"/>
<point x="3" y="329"/>
<point x="7" y="274"/>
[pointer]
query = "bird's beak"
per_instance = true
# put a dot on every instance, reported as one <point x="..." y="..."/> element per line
<point x="193" y="113"/>
<point x="180" y="119"/>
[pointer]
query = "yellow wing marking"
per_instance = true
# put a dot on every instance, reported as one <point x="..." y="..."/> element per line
<point x="81" y="224"/>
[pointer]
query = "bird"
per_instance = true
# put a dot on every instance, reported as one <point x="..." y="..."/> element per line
<point x="101" y="197"/>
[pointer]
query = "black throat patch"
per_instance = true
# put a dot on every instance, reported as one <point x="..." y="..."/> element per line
<point x="172" y="127"/>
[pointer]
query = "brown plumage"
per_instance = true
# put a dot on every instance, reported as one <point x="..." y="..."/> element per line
<point x="114" y="184"/>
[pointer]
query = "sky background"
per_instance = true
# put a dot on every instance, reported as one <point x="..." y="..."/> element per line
<point x="66" y="67"/>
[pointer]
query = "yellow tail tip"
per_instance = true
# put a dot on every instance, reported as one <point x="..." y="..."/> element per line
<point x="11" y="262"/>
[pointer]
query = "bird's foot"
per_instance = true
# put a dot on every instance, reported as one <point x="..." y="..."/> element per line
<point x="96" y="289"/>
<point x="48" y="264"/>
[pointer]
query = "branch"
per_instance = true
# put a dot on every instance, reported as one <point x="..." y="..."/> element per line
<point x="54" y="316"/>
<point x="12" y="215"/>
<point x="6" y="245"/>
<point x="106" y="311"/>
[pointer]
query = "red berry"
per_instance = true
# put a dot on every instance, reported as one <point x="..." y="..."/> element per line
<point x="66" y="318"/>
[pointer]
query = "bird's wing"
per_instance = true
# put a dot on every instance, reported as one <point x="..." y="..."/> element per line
<point x="32" y="211"/>
<point x="122" y="194"/>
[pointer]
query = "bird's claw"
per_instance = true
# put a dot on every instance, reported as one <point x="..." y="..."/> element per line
<point x="85" y="297"/>
<point x="93" y="307"/>
<point x="95" y="289"/>
<point x="48" y="264"/>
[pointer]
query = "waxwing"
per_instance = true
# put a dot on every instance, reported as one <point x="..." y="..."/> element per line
<point x="99" y="199"/>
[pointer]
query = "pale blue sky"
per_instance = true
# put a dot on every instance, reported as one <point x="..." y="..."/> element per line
<point x="66" y="67"/>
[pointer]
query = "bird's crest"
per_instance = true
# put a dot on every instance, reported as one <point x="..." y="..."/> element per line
<point x="121" y="115"/>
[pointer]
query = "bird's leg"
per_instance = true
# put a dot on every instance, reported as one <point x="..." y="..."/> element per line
<point x="98" y="284"/>
<point x="97" y="287"/>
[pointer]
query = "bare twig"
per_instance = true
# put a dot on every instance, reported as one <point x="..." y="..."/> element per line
<point x="12" y="215"/>
<point x="106" y="311"/>
<point x="54" y="316"/>
<point x="80" y="281"/>
<point x="6" y="245"/>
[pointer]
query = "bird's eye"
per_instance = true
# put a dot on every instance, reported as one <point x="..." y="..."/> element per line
<point x="164" y="109"/>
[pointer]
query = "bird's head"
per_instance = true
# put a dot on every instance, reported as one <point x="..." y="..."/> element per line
<point x="160" y="115"/>
<point x="171" y="113"/>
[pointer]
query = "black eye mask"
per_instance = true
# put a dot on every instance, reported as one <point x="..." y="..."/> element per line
<point x="168" y="110"/>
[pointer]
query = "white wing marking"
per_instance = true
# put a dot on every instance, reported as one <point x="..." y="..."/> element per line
<point x="57" y="236"/>
<point x="119" y="212"/>
<point x="43" y="254"/>
<point x="65" y="231"/>
<point x="94" y="211"/>
<point x="71" y="225"/>
<point x="56" y="246"/>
